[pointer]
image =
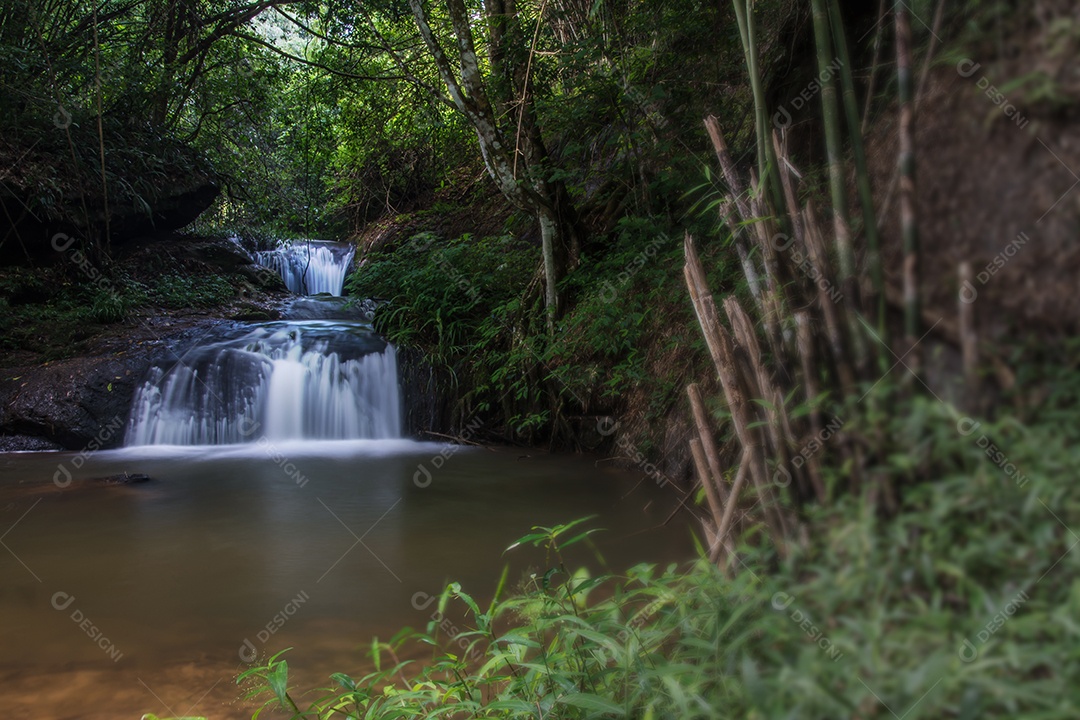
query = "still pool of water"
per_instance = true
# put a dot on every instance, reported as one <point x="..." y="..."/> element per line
<point x="117" y="600"/>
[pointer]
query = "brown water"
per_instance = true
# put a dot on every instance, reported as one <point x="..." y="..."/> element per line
<point x="121" y="600"/>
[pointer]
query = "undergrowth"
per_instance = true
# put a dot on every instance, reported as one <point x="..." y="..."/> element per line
<point x="51" y="311"/>
<point x="472" y="306"/>
<point x="963" y="604"/>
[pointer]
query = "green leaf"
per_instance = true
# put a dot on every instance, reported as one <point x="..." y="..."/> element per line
<point x="278" y="680"/>
<point x="344" y="681"/>
<point x="588" y="701"/>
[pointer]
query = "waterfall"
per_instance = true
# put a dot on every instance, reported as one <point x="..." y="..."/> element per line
<point x="324" y="375"/>
<point x="314" y="379"/>
<point x="310" y="267"/>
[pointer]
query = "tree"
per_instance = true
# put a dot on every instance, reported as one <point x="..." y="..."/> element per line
<point x="501" y="110"/>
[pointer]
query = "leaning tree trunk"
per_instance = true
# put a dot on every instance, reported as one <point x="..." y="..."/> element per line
<point x="510" y="142"/>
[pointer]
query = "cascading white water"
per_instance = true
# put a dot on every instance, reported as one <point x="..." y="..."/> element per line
<point x="281" y="381"/>
<point x="310" y="267"/>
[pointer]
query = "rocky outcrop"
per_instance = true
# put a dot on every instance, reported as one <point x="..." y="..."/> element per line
<point x="427" y="407"/>
<point x="156" y="185"/>
<point x="82" y="402"/>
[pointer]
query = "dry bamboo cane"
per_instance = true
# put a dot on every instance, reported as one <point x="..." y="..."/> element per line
<point x="806" y="356"/>
<point x="815" y="248"/>
<point x="727" y="166"/>
<point x="705" y="478"/>
<point x="766" y="297"/>
<point x="722" y="352"/>
<point x="748" y="267"/>
<point x="738" y="199"/>
<point x="969" y="340"/>
<point x="708" y="442"/>
<point x="729" y="513"/>
<point x="764" y="231"/>
<point x="779" y="424"/>
<point x="786" y="169"/>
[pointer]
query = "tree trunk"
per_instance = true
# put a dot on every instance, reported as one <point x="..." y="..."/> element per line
<point x="550" y="238"/>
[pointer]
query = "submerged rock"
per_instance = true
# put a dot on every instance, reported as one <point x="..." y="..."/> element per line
<point x="124" y="478"/>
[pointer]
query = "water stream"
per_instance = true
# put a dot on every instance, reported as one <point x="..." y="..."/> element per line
<point x="310" y="267"/>
<point x="327" y="376"/>
<point x="239" y="551"/>
<point x="283" y="509"/>
<point x="310" y="379"/>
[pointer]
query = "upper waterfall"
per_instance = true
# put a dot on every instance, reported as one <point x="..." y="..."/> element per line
<point x="314" y="379"/>
<point x="310" y="267"/>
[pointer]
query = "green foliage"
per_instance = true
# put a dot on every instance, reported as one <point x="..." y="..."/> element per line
<point x="458" y="300"/>
<point x="52" y="311"/>
<point x="962" y="605"/>
<point x="109" y="307"/>
<point x="55" y="311"/>
<point x="178" y="291"/>
<point x="461" y="302"/>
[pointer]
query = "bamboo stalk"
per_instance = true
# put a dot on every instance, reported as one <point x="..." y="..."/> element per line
<point x="708" y="442"/>
<point x="878" y="34"/>
<point x="727" y="166"/>
<point x="785" y="169"/>
<point x="706" y="480"/>
<point x="738" y="199"/>
<point x="908" y="226"/>
<point x="744" y="16"/>
<point x="773" y="300"/>
<point x="720" y="348"/>
<point x="815" y="248"/>
<point x="837" y="183"/>
<point x="920" y="95"/>
<point x="806" y="356"/>
<point x="831" y="118"/>
<point x="862" y="173"/>
<point x="729" y="510"/>
<point x="778" y="423"/>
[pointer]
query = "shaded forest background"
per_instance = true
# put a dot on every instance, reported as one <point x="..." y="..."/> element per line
<point x="125" y="122"/>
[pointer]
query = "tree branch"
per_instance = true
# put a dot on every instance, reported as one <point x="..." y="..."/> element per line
<point x="311" y="63"/>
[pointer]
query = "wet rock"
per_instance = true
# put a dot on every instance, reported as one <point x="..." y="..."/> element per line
<point x="253" y="313"/>
<point x="79" y="403"/>
<point x="26" y="443"/>
<point x="83" y="403"/>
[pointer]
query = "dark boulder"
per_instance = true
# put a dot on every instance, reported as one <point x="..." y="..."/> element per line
<point x="83" y="403"/>
<point x="78" y="403"/>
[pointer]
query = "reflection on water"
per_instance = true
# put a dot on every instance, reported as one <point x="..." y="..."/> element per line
<point x="111" y="595"/>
